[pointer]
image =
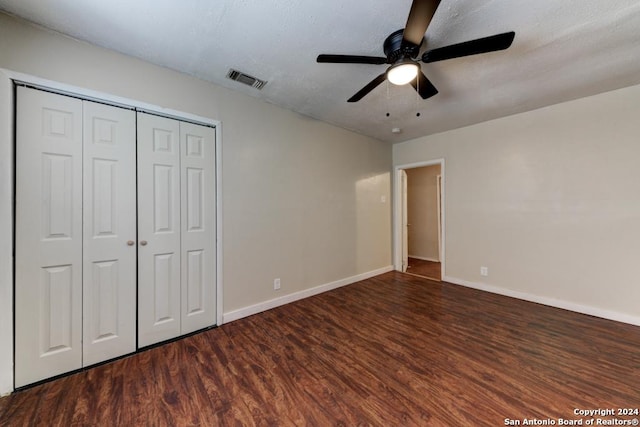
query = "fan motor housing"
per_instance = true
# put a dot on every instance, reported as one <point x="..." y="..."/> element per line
<point x="395" y="49"/>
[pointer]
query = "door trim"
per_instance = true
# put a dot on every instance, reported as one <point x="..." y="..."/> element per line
<point x="397" y="212"/>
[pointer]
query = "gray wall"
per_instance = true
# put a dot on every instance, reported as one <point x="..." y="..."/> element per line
<point x="548" y="200"/>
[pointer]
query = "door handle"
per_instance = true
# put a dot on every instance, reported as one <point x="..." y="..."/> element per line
<point x="143" y="243"/>
<point x="130" y="242"/>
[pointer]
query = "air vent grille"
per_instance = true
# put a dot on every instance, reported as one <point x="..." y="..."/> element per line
<point x="246" y="79"/>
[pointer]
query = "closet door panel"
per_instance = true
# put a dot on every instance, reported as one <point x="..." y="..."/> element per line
<point x="48" y="288"/>
<point x="158" y="229"/>
<point x="109" y="254"/>
<point x="198" y="236"/>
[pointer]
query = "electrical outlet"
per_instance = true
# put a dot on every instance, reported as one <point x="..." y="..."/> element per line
<point x="276" y="284"/>
<point x="484" y="271"/>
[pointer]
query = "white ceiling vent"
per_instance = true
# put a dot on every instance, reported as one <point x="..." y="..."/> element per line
<point x="246" y="79"/>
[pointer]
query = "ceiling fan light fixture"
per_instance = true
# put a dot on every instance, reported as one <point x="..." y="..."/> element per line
<point x="403" y="72"/>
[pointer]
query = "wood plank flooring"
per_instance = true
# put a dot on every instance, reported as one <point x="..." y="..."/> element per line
<point x="428" y="269"/>
<point x="394" y="350"/>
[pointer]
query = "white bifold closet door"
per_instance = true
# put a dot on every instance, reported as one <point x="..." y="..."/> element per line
<point x="109" y="216"/>
<point x="73" y="232"/>
<point x="176" y="228"/>
<point x="48" y="305"/>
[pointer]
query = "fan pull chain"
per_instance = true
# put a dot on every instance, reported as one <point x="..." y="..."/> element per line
<point x="388" y="96"/>
<point x="417" y="96"/>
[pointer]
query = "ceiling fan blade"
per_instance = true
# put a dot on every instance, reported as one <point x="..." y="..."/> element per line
<point x="368" y="88"/>
<point x="419" y="18"/>
<point x="351" y="59"/>
<point x="472" y="47"/>
<point x="425" y="88"/>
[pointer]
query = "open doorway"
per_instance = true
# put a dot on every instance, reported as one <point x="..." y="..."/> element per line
<point x="419" y="219"/>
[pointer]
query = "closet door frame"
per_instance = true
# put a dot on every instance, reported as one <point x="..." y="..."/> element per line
<point x="8" y="81"/>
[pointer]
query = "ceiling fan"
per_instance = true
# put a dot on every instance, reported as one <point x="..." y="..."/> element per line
<point x="402" y="47"/>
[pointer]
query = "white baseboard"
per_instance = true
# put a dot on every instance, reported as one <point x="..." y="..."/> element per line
<point x="286" y="299"/>
<point x="552" y="302"/>
<point x="424" y="258"/>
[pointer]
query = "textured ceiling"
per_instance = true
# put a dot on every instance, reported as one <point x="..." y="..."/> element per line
<point x="564" y="49"/>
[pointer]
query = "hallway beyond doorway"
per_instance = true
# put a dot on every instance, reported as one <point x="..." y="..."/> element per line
<point x="428" y="269"/>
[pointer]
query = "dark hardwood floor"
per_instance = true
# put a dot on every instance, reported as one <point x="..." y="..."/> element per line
<point x="394" y="350"/>
<point x="428" y="269"/>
